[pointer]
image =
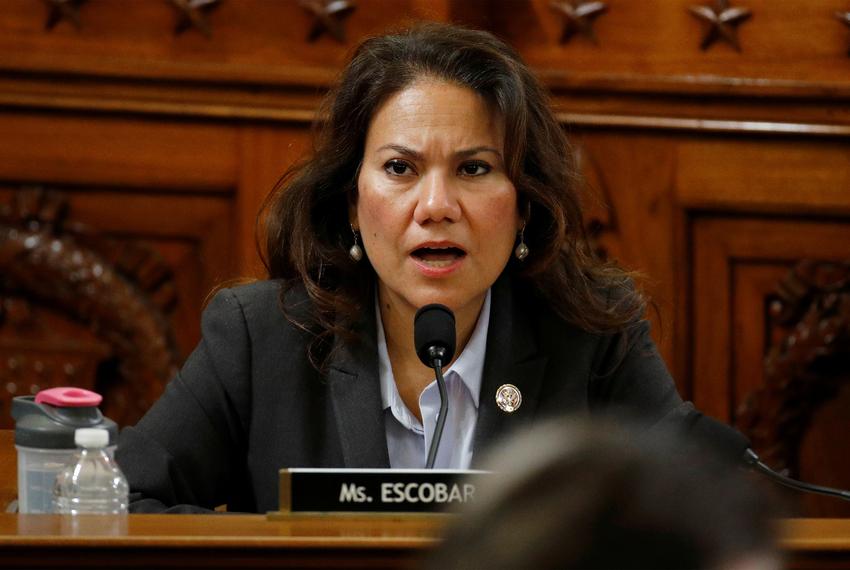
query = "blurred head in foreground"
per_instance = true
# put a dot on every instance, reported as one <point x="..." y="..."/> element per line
<point x="579" y="495"/>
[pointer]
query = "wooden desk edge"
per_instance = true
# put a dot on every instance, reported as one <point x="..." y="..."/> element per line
<point x="220" y="531"/>
<point x="325" y="531"/>
<point x="807" y="535"/>
<point x="264" y="543"/>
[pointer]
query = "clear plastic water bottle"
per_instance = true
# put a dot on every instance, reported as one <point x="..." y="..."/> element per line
<point x="93" y="482"/>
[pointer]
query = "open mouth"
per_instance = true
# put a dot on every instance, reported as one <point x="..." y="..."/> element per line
<point x="439" y="256"/>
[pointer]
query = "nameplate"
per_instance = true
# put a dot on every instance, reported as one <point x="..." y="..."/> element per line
<point x="376" y="490"/>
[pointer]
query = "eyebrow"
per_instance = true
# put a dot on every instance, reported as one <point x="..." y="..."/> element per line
<point x="407" y="151"/>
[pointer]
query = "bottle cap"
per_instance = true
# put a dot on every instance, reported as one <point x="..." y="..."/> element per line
<point x="68" y="397"/>
<point x="49" y="420"/>
<point x="91" y="437"/>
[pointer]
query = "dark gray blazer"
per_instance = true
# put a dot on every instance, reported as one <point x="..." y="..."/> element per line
<point x="248" y="402"/>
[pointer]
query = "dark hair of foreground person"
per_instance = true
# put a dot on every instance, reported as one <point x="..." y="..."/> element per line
<point x="586" y="495"/>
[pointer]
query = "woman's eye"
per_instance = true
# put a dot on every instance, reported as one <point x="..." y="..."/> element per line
<point x="398" y="168"/>
<point x="474" y="168"/>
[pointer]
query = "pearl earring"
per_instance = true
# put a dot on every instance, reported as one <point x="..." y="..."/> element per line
<point x="521" y="251"/>
<point x="355" y="252"/>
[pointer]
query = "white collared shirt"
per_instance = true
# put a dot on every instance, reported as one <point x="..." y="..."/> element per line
<point x="408" y="440"/>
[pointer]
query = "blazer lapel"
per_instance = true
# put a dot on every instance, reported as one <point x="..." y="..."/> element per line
<point x="512" y="358"/>
<point x="356" y="396"/>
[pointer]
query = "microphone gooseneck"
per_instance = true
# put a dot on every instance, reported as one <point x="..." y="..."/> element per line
<point x="751" y="459"/>
<point x="734" y="445"/>
<point x="434" y="338"/>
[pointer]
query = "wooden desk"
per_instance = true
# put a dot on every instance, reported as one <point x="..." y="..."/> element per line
<point x="816" y="543"/>
<point x="215" y="541"/>
<point x="250" y="541"/>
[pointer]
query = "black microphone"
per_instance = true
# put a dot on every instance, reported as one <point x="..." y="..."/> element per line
<point x="434" y="339"/>
<point x="733" y="445"/>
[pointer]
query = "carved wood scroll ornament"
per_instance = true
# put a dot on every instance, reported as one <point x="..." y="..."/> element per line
<point x="120" y="292"/>
<point x="723" y="21"/>
<point x="328" y="17"/>
<point x="193" y="14"/>
<point x="806" y="365"/>
<point x="63" y="10"/>
<point x="578" y="18"/>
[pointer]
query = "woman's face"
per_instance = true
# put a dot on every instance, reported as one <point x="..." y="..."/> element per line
<point x="436" y="210"/>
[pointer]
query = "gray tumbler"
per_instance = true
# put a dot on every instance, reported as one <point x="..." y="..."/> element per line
<point x="44" y="438"/>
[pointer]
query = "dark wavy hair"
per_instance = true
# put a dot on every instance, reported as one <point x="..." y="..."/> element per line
<point x="305" y="220"/>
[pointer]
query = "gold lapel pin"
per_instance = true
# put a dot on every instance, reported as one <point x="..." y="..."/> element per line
<point x="508" y="398"/>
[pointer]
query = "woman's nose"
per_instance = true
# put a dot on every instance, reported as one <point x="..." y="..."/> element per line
<point x="438" y="200"/>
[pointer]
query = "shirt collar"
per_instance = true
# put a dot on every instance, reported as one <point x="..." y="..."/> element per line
<point x="469" y="366"/>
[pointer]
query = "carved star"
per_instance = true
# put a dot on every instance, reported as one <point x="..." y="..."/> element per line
<point x="723" y="22"/>
<point x="329" y="17"/>
<point x="193" y="14"/>
<point x="63" y="10"/>
<point x="578" y="18"/>
<point x="844" y="17"/>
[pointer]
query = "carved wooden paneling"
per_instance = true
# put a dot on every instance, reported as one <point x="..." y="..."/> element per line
<point x="716" y="222"/>
<point x="722" y="21"/>
<point x="578" y="18"/>
<point x="738" y="265"/>
<point x="193" y="245"/>
<point x="63" y="11"/>
<point x="648" y="185"/>
<point x="259" y="64"/>
<point x="193" y="233"/>
<point x="86" y="149"/>
<point x="236" y="164"/>
<point x="189" y="191"/>
<point x="329" y="18"/>
<point x="41" y="348"/>
<point x="807" y="360"/>
<point x="265" y="153"/>
<point x="117" y="294"/>
<point x="257" y="40"/>
<point x="194" y="15"/>
<point x="844" y="18"/>
<point x="782" y="41"/>
<point x="248" y="39"/>
<point x="600" y="214"/>
<point x="630" y="206"/>
<point x="793" y="175"/>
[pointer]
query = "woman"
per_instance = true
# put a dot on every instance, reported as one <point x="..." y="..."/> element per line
<point x="440" y="176"/>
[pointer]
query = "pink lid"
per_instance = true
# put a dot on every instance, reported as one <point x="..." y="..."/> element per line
<point x="68" y="397"/>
